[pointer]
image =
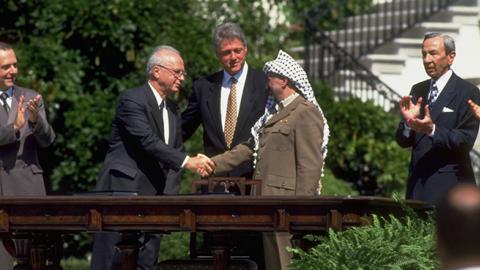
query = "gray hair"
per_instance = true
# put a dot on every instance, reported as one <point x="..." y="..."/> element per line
<point x="156" y="58"/>
<point x="448" y="41"/>
<point x="5" y="47"/>
<point x="225" y="31"/>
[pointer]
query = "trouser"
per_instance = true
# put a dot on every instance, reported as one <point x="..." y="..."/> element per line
<point x="6" y="261"/>
<point x="275" y="250"/>
<point x="106" y="257"/>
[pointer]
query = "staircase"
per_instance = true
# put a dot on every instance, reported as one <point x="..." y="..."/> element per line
<point x="373" y="51"/>
<point x="398" y="63"/>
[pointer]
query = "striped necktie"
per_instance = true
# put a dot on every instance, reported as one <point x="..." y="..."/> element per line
<point x="3" y="97"/>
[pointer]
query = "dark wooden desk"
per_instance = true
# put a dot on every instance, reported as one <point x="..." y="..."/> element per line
<point x="220" y="214"/>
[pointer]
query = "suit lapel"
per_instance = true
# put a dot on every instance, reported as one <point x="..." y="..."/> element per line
<point x="213" y="102"/>
<point x="17" y="93"/>
<point x="154" y="111"/>
<point x="248" y="99"/>
<point x="172" y="123"/>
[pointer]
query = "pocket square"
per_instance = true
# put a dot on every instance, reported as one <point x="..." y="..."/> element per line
<point x="446" y="109"/>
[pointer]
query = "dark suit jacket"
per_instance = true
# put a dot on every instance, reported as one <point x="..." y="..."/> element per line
<point x="439" y="162"/>
<point x="204" y="108"/>
<point x="138" y="160"/>
<point x="20" y="172"/>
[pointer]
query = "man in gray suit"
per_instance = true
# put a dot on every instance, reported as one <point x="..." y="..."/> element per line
<point x="23" y="129"/>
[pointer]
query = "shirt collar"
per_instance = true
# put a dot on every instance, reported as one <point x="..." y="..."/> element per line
<point x="285" y="102"/>
<point x="158" y="98"/>
<point x="240" y="76"/>
<point x="9" y="92"/>
<point x="443" y="80"/>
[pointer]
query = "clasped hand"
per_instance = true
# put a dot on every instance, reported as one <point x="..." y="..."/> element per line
<point x="201" y="164"/>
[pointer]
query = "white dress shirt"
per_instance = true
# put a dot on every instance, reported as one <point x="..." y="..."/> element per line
<point x="159" y="99"/>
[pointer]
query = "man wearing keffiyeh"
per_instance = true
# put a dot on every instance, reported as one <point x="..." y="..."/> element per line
<point x="288" y="145"/>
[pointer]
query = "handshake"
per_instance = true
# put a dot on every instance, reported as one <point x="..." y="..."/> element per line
<point x="201" y="164"/>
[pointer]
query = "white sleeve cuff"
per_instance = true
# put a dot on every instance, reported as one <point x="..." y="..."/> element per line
<point x="406" y="130"/>
<point x="433" y="131"/>
<point x="185" y="161"/>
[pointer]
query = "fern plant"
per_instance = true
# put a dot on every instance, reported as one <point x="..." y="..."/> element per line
<point x="389" y="243"/>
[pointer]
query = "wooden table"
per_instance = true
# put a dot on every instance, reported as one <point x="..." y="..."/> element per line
<point x="34" y="216"/>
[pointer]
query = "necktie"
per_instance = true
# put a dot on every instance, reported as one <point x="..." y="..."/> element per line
<point x="3" y="97"/>
<point x="231" y="118"/>
<point x="161" y="106"/>
<point x="164" y="125"/>
<point x="433" y="94"/>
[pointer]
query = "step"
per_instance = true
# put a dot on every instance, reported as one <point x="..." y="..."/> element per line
<point x="421" y="29"/>
<point x="384" y="63"/>
<point x="465" y="15"/>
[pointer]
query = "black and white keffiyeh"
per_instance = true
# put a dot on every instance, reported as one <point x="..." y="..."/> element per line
<point x="287" y="67"/>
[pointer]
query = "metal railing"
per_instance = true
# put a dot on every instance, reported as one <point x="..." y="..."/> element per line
<point x="338" y="33"/>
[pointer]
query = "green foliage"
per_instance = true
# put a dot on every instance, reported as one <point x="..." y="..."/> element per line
<point x="334" y="186"/>
<point x="81" y="54"/>
<point x="362" y="148"/>
<point x="75" y="264"/>
<point x="174" y="246"/>
<point x="406" y="243"/>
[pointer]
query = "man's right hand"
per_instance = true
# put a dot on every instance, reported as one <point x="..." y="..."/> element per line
<point x="20" y="118"/>
<point x="408" y="110"/>
<point x="475" y="108"/>
<point x="200" y="164"/>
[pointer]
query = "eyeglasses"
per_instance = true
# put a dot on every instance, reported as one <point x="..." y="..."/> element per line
<point x="176" y="73"/>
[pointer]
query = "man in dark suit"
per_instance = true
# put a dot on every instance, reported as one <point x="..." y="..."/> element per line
<point x="438" y="124"/>
<point x="145" y="149"/>
<point x="211" y="99"/>
<point x="23" y="129"/>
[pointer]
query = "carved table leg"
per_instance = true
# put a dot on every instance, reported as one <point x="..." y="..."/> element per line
<point x="38" y="256"/>
<point x="220" y="251"/>
<point x="18" y="245"/>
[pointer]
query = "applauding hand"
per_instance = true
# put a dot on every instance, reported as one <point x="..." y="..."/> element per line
<point x="408" y="110"/>
<point x="475" y="108"/>
<point x="424" y="125"/>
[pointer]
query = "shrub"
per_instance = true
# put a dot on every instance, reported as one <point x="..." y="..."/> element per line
<point x="389" y="243"/>
<point x="363" y="150"/>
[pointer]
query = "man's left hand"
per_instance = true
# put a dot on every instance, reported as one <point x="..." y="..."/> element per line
<point x="33" y="106"/>
<point x="424" y="125"/>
